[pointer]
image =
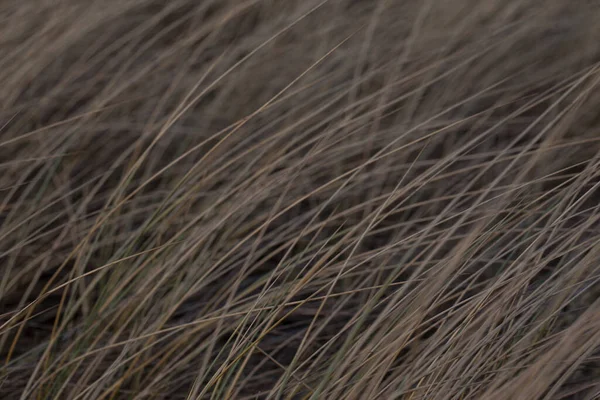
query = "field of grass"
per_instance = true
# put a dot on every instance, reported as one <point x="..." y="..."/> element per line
<point x="299" y="199"/>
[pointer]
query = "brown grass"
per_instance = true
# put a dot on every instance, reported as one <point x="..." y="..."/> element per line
<point x="281" y="199"/>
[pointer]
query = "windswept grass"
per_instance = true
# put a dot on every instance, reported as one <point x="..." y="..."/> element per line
<point x="269" y="199"/>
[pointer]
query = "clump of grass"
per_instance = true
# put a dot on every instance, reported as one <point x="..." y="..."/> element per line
<point x="339" y="199"/>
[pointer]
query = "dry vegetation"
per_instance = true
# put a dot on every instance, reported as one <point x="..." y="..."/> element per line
<point x="281" y="199"/>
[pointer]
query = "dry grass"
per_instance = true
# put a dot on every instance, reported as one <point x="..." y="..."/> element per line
<point x="281" y="199"/>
